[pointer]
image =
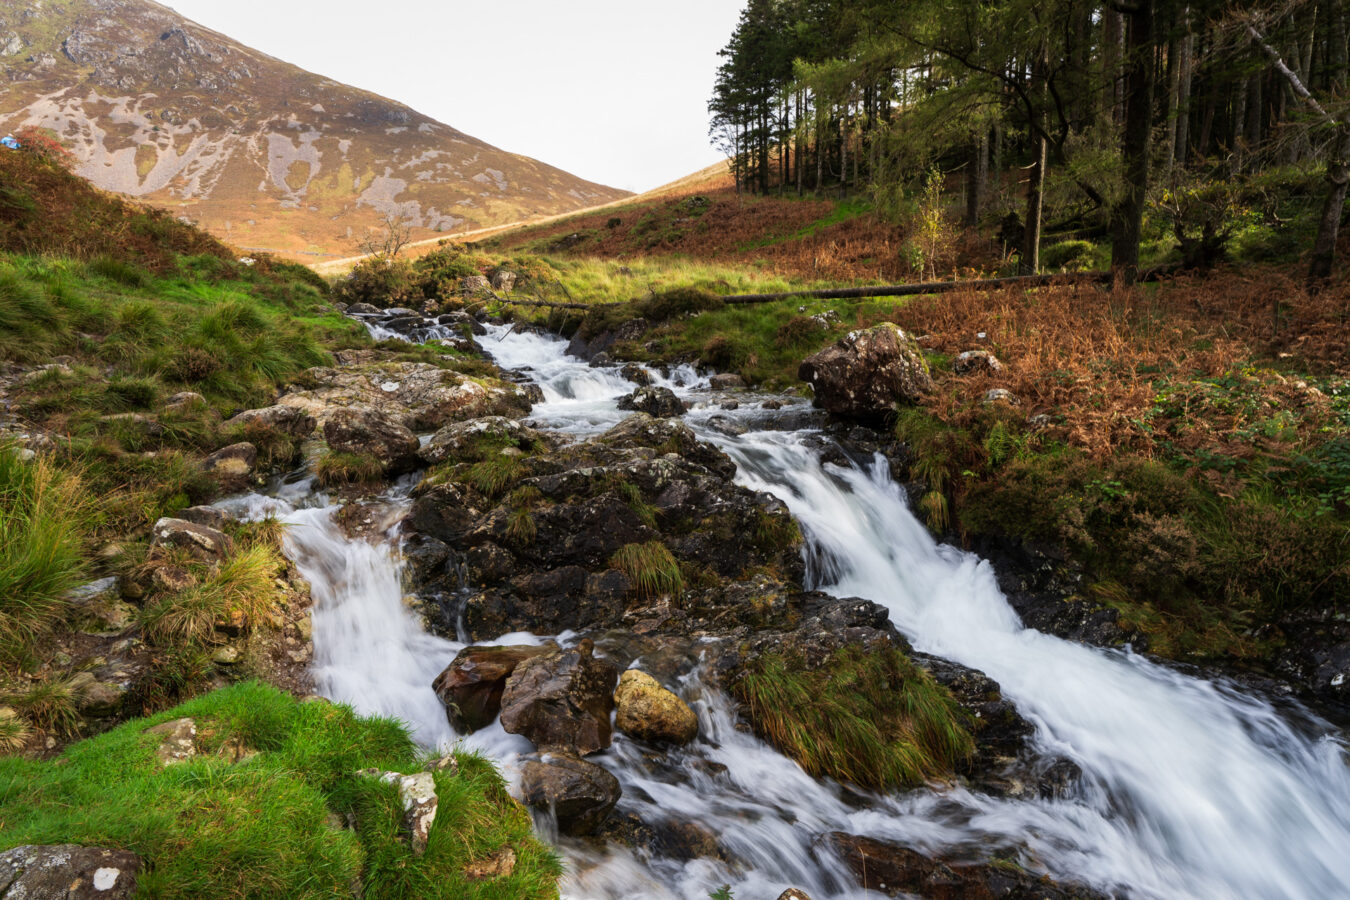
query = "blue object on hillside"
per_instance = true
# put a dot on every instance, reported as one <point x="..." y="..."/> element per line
<point x="8" y="141"/>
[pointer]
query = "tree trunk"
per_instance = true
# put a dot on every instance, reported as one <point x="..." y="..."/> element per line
<point x="1129" y="214"/>
<point x="1329" y="225"/>
<point x="843" y="152"/>
<point x="976" y="177"/>
<point x="1031" y="248"/>
<point x="1180" y="148"/>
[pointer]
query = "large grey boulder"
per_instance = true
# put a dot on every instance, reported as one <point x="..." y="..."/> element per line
<point x="280" y="419"/>
<point x="67" y="872"/>
<point x="867" y="373"/>
<point x="369" y="432"/>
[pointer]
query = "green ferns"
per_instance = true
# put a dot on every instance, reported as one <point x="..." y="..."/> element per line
<point x="869" y="717"/>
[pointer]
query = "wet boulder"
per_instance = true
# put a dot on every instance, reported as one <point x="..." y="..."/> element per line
<point x="447" y="511"/>
<point x="727" y="381"/>
<point x="363" y="309"/>
<point x="579" y="793"/>
<point x="67" y="872"/>
<point x="636" y="374"/>
<point x="668" y="436"/>
<point x="369" y="432"/>
<point x="459" y="439"/>
<point x="866" y="373"/>
<point x="655" y="401"/>
<point x="471" y="686"/>
<point x="649" y="712"/>
<point x="562" y="700"/>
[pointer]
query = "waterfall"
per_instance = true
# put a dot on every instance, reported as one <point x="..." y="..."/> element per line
<point x="1191" y="788"/>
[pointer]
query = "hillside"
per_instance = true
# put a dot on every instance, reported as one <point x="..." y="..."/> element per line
<point x="259" y="152"/>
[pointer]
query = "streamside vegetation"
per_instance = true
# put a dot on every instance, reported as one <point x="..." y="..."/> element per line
<point x="272" y="802"/>
<point x="870" y="717"/>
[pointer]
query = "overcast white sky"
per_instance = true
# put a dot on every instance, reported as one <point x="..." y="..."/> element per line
<point x="612" y="90"/>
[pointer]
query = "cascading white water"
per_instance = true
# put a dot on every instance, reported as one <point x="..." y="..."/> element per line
<point x="1191" y="789"/>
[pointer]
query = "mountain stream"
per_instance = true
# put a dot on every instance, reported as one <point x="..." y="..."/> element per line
<point x="1191" y="788"/>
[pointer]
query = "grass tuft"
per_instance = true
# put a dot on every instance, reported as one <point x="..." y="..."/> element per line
<point x="652" y="569"/>
<point x="335" y="469"/>
<point x="51" y="704"/>
<point x="869" y="717"/>
<point x="42" y="529"/>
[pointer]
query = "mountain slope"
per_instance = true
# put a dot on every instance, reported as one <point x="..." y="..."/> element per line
<point x="259" y="151"/>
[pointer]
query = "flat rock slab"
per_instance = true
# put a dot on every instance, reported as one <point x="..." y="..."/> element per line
<point x="67" y="872"/>
<point x="177" y="741"/>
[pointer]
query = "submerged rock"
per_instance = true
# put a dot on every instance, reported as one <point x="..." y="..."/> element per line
<point x="866" y="373"/>
<point x="562" y="700"/>
<point x="898" y="871"/>
<point x="579" y="793"/>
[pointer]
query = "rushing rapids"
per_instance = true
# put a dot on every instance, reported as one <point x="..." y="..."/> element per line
<point x="1191" y="788"/>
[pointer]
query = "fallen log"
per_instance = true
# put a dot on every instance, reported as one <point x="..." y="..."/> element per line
<point x="859" y="293"/>
<point x="928" y="287"/>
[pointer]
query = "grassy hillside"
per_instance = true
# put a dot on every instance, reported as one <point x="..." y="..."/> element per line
<point x="272" y="804"/>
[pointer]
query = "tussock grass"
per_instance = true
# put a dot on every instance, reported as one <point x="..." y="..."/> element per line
<point x="216" y="829"/>
<point x="50" y="704"/>
<point x="651" y="568"/>
<point x="632" y="496"/>
<point x="520" y="527"/>
<point x="869" y="717"/>
<point x="495" y="475"/>
<point x="14" y="732"/>
<point x="335" y="469"/>
<point x="240" y="590"/>
<point x="42" y="532"/>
